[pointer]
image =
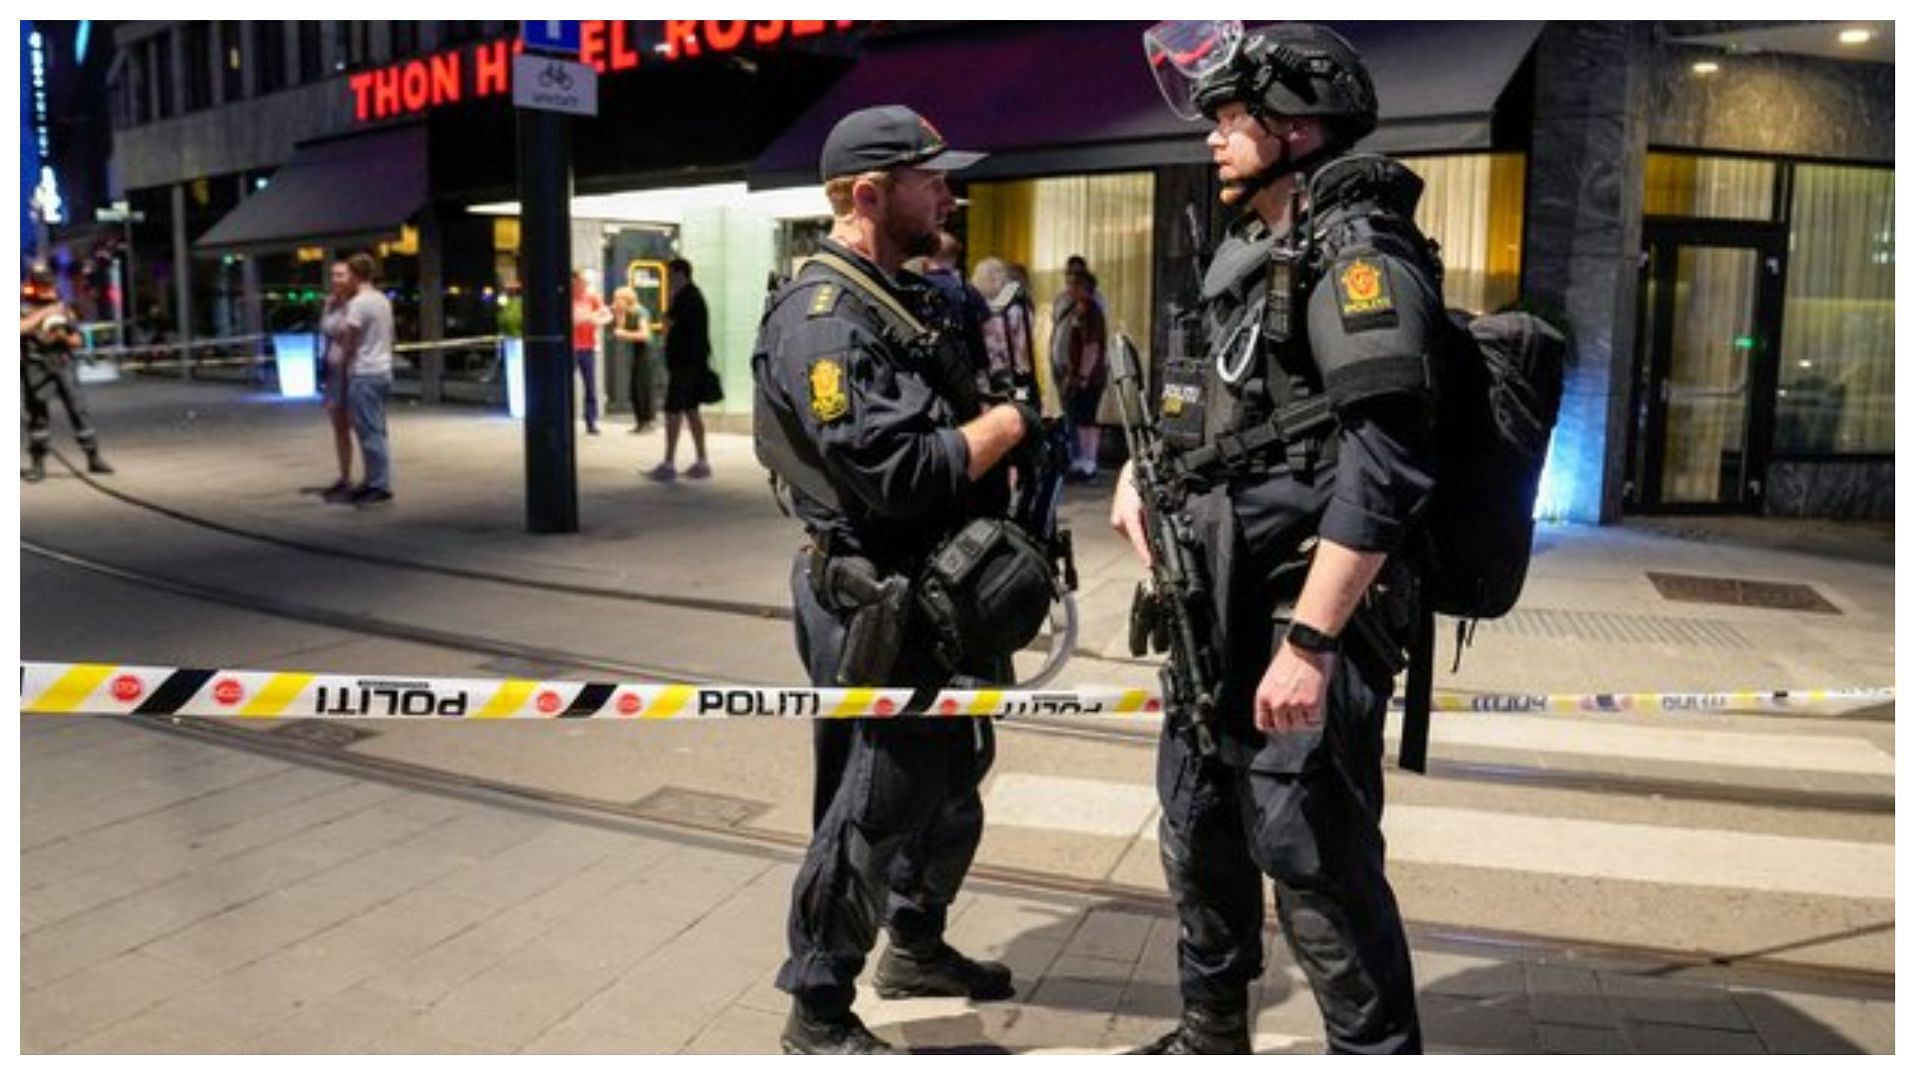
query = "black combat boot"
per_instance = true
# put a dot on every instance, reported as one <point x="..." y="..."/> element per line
<point x="97" y="464"/>
<point x="844" y="1034"/>
<point x="36" y="469"/>
<point x="940" y="973"/>
<point x="1204" y="1030"/>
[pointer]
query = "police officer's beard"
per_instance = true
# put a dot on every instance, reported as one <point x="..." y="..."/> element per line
<point x="908" y="237"/>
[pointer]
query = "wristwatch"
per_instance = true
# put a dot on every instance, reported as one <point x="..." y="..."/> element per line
<point x="1307" y="639"/>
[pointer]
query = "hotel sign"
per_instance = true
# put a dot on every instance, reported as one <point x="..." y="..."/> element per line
<point x="485" y="70"/>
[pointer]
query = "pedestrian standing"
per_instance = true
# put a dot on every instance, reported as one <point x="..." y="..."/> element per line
<point x="367" y="343"/>
<point x="336" y="365"/>
<point x="1081" y="334"/>
<point x="633" y="346"/>
<point x="690" y="382"/>
<point x="589" y="315"/>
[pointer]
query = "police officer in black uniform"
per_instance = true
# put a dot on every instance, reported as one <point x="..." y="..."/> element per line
<point x="1323" y="301"/>
<point x="866" y="405"/>
<point x="48" y="337"/>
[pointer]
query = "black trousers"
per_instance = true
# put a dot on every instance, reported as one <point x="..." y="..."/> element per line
<point x="897" y="819"/>
<point x="1304" y="814"/>
<point x="640" y="382"/>
<point x="40" y="383"/>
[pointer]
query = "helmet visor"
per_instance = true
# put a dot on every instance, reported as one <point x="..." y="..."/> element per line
<point x="1181" y="52"/>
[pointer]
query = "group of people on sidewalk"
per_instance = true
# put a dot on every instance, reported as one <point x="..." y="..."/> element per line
<point x="690" y="378"/>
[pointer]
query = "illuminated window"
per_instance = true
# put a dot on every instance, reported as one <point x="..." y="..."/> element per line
<point x="1685" y="185"/>
<point x="1836" y="357"/>
<point x="1474" y="207"/>
<point x="1039" y="223"/>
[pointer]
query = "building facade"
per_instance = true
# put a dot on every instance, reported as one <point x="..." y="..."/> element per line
<point x="1707" y="206"/>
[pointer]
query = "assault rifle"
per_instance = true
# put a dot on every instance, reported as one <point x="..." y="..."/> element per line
<point x="1173" y="610"/>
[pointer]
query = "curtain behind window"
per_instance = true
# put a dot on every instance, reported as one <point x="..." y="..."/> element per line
<point x="1836" y="361"/>
<point x="1474" y="206"/>
<point x="1107" y="219"/>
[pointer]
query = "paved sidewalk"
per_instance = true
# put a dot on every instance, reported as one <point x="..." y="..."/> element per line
<point x="1590" y="620"/>
<point x="180" y="896"/>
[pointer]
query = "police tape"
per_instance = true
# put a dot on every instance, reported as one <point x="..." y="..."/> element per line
<point x="226" y="694"/>
<point x="1729" y="701"/>
<point x="127" y="690"/>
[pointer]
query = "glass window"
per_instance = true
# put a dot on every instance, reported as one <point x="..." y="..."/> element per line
<point x="310" y="68"/>
<point x="1836" y="359"/>
<point x="199" y="64"/>
<point x="139" y="85"/>
<point x="270" y="57"/>
<point x="1108" y="220"/>
<point x="163" y="76"/>
<point x="232" y="78"/>
<point x="1474" y="206"/>
<point x="1684" y="185"/>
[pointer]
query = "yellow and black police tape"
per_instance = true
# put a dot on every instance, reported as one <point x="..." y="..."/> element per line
<point x="210" y="693"/>
<point x="225" y="694"/>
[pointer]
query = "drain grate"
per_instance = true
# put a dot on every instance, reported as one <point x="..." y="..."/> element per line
<point x="1736" y="592"/>
<point x="700" y="807"/>
<point x="328" y="734"/>
<point x="1614" y="627"/>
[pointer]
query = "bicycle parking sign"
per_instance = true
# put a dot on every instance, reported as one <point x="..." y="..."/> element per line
<point x="554" y="85"/>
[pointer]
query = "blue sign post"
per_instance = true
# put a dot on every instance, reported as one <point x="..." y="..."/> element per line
<point x="551" y="35"/>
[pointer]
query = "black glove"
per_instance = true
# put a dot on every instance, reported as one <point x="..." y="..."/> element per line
<point x="1033" y="436"/>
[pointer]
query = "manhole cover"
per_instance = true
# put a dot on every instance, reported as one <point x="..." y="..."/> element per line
<point x="700" y="807"/>
<point x="323" y="733"/>
<point x="1778" y="595"/>
<point x="522" y="668"/>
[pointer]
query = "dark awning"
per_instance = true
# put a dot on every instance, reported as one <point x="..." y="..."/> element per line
<point x="332" y="193"/>
<point x="1050" y="98"/>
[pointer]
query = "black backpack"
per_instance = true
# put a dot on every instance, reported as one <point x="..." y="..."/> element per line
<point x="1500" y="382"/>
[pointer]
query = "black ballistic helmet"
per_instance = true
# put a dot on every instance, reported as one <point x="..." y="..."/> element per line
<point x="1294" y="69"/>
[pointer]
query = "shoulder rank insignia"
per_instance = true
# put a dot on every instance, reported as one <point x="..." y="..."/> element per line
<point x="822" y="302"/>
<point x="1366" y="298"/>
<point x="828" y="379"/>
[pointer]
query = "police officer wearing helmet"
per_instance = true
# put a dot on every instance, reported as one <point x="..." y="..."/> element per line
<point x="866" y="407"/>
<point x="1314" y="444"/>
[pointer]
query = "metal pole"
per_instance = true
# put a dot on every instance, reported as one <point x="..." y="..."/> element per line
<point x="126" y="284"/>
<point x="546" y="190"/>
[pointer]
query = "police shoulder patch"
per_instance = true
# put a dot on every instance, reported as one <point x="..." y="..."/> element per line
<point x="1365" y="292"/>
<point x="822" y="301"/>
<point x="827" y="379"/>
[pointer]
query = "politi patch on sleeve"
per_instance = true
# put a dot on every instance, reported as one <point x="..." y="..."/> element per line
<point x="1366" y="295"/>
<point x="822" y="301"/>
<point x="828" y="381"/>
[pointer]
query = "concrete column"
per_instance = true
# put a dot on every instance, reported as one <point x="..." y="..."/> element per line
<point x="433" y="309"/>
<point x="182" y="277"/>
<point x="1585" y="190"/>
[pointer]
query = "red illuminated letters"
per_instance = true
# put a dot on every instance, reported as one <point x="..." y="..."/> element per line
<point x="682" y="38"/>
<point x="446" y="77"/>
<point x="621" y="54"/>
<point x="593" y="44"/>
<point x="725" y="35"/>
<point x="766" y="33"/>
<point x="492" y="70"/>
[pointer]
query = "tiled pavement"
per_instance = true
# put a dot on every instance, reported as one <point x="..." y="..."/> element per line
<point x="179" y="896"/>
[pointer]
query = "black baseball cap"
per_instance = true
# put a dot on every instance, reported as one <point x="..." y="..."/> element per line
<point x="884" y="136"/>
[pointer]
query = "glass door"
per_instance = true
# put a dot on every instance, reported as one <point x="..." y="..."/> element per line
<point x="1706" y="370"/>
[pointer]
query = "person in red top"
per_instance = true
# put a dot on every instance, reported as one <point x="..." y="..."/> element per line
<point x="589" y="315"/>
